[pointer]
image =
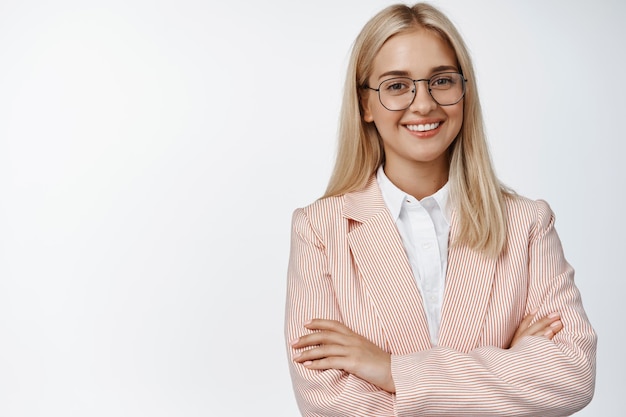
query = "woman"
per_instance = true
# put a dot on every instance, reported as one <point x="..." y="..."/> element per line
<point x="418" y="285"/>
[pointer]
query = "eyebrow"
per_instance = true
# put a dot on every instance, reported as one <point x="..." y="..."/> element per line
<point x="396" y="73"/>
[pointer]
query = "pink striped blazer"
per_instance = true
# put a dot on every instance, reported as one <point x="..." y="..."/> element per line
<point x="347" y="263"/>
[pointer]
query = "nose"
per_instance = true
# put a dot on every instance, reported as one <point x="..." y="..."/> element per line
<point x="423" y="102"/>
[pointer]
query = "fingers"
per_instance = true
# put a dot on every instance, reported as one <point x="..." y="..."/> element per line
<point x="555" y="327"/>
<point x="547" y="326"/>
<point x="329" y="332"/>
<point x="320" y="338"/>
<point x="322" y="324"/>
<point x="332" y="362"/>
<point x="320" y="352"/>
<point x="330" y="347"/>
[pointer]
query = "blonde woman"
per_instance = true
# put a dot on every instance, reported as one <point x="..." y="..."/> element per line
<point x="418" y="285"/>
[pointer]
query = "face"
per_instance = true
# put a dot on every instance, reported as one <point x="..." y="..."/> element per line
<point x="420" y="135"/>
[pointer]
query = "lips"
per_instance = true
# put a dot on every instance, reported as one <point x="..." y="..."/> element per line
<point x="423" y="127"/>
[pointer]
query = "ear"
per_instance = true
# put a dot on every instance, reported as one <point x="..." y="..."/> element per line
<point x="365" y="105"/>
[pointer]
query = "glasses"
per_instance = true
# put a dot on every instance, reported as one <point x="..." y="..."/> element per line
<point x="446" y="88"/>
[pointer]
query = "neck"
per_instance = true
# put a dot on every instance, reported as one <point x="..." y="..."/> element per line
<point x="418" y="180"/>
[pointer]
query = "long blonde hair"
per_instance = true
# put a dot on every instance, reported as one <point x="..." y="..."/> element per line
<point x="476" y="193"/>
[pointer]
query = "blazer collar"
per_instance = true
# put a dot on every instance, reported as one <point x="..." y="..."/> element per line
<point x="365" y="203"/>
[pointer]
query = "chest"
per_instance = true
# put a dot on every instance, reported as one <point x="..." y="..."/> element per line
<point x="374" y="286"/>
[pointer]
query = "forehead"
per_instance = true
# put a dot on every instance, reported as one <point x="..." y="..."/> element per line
<point x="417" y="53"/>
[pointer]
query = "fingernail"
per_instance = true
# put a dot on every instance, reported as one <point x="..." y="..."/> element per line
<point x="307" y="363"/>
<point x="554" y="315"/>
<point x="294" y="342"/>
<point x="297" y="355"/>
<point x="306" y="323"/>
<point x="556" y="323"/>
<point x="548" y="333"/>
<point x="534" y="311"/>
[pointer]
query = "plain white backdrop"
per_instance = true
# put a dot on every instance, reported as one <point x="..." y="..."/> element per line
<point x="152" y="152"/>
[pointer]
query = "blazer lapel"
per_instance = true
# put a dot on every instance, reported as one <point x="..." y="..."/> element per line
<point x="469" y="281"/>
<point x="379" y="255"/>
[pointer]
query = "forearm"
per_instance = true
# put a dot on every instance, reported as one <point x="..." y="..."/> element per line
<point x="536" y="377"/>
<point x="337" y="393"/>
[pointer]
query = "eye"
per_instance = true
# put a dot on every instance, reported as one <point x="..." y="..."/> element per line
<point x="443" y="81"/>
<point x="397" y="86"/>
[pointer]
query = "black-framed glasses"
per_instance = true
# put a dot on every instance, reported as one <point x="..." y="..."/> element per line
<point x="398" y="93"/>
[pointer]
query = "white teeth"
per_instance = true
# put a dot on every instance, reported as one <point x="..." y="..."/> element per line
<point x="423" y="128"/>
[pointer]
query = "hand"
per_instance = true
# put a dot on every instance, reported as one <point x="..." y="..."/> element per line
<point x="334" y="346"/>
<point x="546" y="327"/>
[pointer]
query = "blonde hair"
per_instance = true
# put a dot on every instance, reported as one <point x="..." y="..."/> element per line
<point x="476" y="193"/>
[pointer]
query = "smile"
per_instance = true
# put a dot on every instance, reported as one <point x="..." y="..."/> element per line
<point x="424" y="127"/>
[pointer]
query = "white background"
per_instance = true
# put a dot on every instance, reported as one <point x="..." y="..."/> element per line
<point x="152" y="152"/>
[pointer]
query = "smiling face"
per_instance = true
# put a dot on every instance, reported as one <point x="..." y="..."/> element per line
<point x="416" y="138"/>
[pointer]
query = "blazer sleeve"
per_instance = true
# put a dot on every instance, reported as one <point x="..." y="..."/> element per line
<point x="310" y="295"/>
<point x="538" y="377"/>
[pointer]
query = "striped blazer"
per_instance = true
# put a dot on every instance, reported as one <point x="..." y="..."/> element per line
<point x="347" y="263"/>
